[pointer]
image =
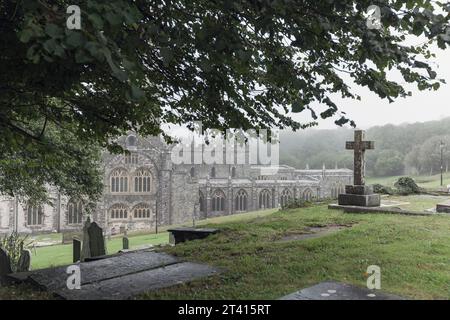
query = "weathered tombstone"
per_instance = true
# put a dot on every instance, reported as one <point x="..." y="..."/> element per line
<point x="96" y="240"/>
<point x="5" y="263"/>
<point x="24" y="262"/>
<point x="125" y="243"/>
<point x="359" y="194"/>
<point x="76" y="250"/>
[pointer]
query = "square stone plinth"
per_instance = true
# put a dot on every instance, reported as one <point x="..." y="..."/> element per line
<point x="361" y="190"/>
<point x="369" y="200"/>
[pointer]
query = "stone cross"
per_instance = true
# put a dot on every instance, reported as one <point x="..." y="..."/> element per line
<point x="359" y="146"/>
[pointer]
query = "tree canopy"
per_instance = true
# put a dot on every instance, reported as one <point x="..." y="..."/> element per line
<point x="138" y="65"/>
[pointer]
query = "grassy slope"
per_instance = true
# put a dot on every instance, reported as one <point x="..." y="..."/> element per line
<point x="428" y="182"/>
<point x="57" y="255"/>
<point x="413" y="253"/>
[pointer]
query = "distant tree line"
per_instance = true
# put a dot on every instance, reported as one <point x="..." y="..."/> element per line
<point x="400" y="149"/>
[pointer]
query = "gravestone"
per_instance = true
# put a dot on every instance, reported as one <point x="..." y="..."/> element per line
<point x="443" y="207"/>
<point x="93" y="241"/>
<point x="178" y="235"/>
<point x="359" y="194"/>
<point x="76" y="250"/>
<point x="5" y="263"/>
<point x="24" y="262"/>
<point x="96" y="240"/>
<point x="125" y="243"/>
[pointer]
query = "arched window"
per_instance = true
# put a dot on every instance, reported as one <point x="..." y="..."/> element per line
<point x="35" y="215"/>
<point x="119" y="181"/>
<point x="240" y="202"/>
<point x="285" y="197"/>
<point x="118" y="211"/>
<point x="264" y="199"/>
<point x="213" y="172"/>
<point x="131" y="141"/>
<point x="192" y="172"/>
<point x="307" y="195"/>
<point x="201" y="200"/>
<point x="142" y="181"/>
<point x="142" y="211"/>
<point x="74" y="211"/>
<point x="218" y="201"/>
<point x="233" y="172"/>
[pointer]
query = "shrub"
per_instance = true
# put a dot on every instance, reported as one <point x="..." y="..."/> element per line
<point x="407" y="185"/>
<point x="379" y="188"/>
<point x="296" y="203"/>
<point x="13" y="245"/>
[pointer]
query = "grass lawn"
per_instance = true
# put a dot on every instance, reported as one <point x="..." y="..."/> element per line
<point x="413" y="253"/>
<point x="44" y="257"/>
<point x="56" y="255"/>
<point x="427" y="182"/>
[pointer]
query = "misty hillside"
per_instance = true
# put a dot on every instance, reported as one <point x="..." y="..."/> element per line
<point x="399" y="149"/>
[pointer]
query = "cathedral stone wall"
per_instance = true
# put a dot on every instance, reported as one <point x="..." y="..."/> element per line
<point x="145" y="189"/>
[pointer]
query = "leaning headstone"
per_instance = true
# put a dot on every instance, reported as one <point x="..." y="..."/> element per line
<point x="96" y="240"/>
<point x="5" y="263"/>
<point x="126" y="243"/>
<point x="24" y="262"/>
<point x="76" y="250"/>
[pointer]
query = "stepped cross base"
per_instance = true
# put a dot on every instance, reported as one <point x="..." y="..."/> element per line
<point x="359" y="195"/>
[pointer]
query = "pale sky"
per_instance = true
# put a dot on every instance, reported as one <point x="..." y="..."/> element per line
<point x="422" y="106"/>
<point x="372" y="111"/>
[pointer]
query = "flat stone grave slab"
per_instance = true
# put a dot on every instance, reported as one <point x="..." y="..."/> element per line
<point x="339" y="291"/>
<point x="120" y="276"/>
<point x="387" y="210"/>
<point x="178" y="235"/>
<point x="125" y="287"/>
<point x="443" y="207"/>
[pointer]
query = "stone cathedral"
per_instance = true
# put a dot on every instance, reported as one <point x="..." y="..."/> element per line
<point x="145" y="189"/>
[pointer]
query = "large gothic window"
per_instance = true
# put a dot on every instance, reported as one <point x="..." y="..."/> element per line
<point x="142" y="211"/>
<point x="142" y="181"/>
<point x="213" y="172"/>
<point x="240" y="202"/>
<point x="35" y="215"/>
<point x="285" y="197"/>
<point x="264" y="199"/>
<point x="218" y="201"/>
<point x="74" y="211"/>
<point x="307" y="195"/>
<point x="119" y="181"/>
<point x="233" y="172"/>
<point x="118" y="211"/>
